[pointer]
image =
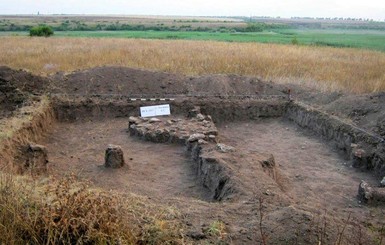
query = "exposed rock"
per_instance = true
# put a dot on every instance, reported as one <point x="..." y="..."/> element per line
<point x="196" y="235"/>
<point x="368" y="194"/>
<point x="212" y="138"/>
<point x="202" y="142"/>
<point x="383" y="182"/>
<point x="365" y="192"/>
<point x="154" y="120"/>
<point x="114" y="157"/>
<point x="213" y="132"/>
<point x="196" y="137"/>
<point x="225" y="148"/>
<point x="359" y="157"/>
<point x="200" y="117"/>
<point x="359" y="153"/>
<point x="173" y="130"/>
<point x="133" y="121"/>
<point x="194" y="112"/>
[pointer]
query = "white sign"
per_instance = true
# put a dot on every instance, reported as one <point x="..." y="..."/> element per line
<point x="155" y="110"/>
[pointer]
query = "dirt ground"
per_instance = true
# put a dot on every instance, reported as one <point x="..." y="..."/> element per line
<point x="315" y="178"/>
<point x="319" y="178"/>
<point x="153" y="170"/>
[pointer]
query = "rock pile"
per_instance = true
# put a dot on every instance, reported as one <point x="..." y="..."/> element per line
<point x="368" y="194"/>
<point x="174" y="130"/>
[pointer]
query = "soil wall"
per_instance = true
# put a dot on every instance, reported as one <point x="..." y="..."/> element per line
<point x="34" y="124"/>
<point x="220" y="110"/>
<point x="343" y="135"/>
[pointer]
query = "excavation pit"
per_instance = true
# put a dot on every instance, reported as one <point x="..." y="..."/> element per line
<point x="294" y="158"/>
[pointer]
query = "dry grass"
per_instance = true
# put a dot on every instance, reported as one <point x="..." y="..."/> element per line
<point x="68" y="212"/>
<point x="332" y="69"/>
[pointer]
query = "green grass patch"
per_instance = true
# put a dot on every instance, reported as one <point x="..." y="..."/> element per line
<point x="366" y="39"/>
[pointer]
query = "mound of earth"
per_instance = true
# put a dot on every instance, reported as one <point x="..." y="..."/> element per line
<point x="24" y="81"/>
<point x="120" y="80"/>
<point x="16" y="88"/>
<point x="367" y="111"/>
<point x="134" y="82"/>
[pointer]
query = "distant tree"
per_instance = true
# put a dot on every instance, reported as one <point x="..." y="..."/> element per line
<point x="254" y="27"/>
<point x="294" y="41"/>
<point x="41" y="31"/>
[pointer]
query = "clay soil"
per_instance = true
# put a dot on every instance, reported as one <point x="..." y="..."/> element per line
<point x="317" y="186"/>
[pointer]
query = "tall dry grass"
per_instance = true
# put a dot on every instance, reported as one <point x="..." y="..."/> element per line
<point x="66" y="211"/>
<point x="333" y="69"/>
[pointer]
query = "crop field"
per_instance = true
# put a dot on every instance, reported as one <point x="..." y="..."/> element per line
<point x="333" y="33"/>
<point x="358" y="39"/>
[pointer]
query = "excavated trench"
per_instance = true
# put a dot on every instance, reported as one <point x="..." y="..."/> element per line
<point x="216" y="170"/>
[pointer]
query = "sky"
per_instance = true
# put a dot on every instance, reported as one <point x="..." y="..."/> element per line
<point x="372" y="9"/>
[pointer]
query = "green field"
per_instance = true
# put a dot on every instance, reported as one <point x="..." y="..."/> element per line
<point x="320" y="32"/>
<point x="367" y="39"/>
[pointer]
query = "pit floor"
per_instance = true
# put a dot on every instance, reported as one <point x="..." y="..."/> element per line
<point x="316" y="178"/>
<point x="154" y="170"/>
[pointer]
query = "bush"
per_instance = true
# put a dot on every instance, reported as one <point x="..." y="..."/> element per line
<point x="294" y="41"/>
<point x="41" y="31"/>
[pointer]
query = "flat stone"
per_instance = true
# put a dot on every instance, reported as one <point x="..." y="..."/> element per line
<point x="202" y="142"/>
<point x="154" y="120"/>
<point x="196" y="137"/>
<point x="225" y="148"/>
<point x="200" y="117"/>
<point x="212" y="138"/>
<point x="133" y="119"/>
<point x="213" y="131"/>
